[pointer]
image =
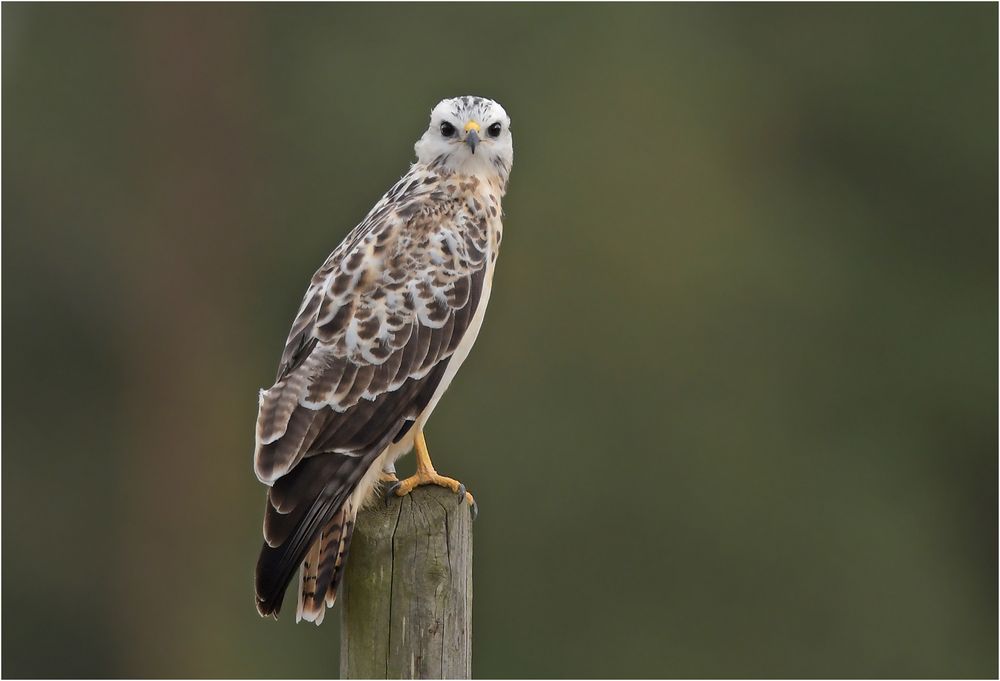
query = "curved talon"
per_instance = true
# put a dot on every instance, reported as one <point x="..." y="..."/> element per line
<point x="461" y="492"/>
<point x="474" y="507"/>
<point x="390" y="491"/>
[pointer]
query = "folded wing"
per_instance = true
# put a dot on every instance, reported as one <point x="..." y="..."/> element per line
<point x="365" y="354"/>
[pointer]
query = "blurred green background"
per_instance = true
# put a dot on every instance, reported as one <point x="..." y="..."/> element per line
<point x="733" y="411"/>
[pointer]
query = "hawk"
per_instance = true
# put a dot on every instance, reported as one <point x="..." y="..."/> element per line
<point x="384" y="327"/>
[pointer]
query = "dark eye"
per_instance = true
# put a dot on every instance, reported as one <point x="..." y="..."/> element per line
<point x="494" y="130"/>
<point x="447" y="129"/>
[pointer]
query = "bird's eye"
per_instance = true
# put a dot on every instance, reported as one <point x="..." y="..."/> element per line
<point x="447" y="129"/>
<point x="494" y="130"/>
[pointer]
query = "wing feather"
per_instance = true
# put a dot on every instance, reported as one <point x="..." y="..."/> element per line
<point x="366" y="352"/>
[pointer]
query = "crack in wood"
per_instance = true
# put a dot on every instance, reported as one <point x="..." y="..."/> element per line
<point x="407" y="608"/>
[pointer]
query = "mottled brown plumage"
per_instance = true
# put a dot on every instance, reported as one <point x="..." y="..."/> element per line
<point x="381" y="331"/>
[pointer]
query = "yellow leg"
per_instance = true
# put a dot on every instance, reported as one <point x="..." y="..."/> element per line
<point x="426" y="475"/>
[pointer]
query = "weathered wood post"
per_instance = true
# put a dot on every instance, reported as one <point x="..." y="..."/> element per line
<point x="407" y="599"/>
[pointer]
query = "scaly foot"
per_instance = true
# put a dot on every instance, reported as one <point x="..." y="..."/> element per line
<point x="403" y="487"/>
<point x="426" y="475"/>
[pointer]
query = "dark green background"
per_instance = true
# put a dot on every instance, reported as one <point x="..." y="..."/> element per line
<point x="733" y="411"/>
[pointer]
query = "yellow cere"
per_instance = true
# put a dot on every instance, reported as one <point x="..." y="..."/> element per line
<point x="472" y="125"/>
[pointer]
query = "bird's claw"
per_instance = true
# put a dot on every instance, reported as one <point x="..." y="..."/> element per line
<point x="393" y="491"/>
<point x="465" y="496"/>
<point x="390" y="492"/>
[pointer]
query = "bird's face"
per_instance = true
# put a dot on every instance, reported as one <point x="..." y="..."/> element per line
<point x="469" y="135"/>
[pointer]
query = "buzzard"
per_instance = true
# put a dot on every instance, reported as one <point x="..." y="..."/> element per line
<point x="384" y="327"/>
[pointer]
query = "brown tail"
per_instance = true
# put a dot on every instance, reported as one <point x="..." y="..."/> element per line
<point x="323" y="568"/>
<point x="307" y="508"/>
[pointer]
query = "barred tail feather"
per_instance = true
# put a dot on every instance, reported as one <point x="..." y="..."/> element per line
<point x="307" y="577"/>
<point x="322" y="569"/>
<point x="310" y="506"/>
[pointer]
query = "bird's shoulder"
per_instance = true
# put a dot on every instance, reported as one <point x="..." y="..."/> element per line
<point x="411" y="261"/>
<point x="422" y="210"/>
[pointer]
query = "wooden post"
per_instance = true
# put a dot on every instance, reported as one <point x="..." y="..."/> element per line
<point x="407" y="595"/>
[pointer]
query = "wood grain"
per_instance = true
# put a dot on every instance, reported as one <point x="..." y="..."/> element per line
<point x="407" y="603"/>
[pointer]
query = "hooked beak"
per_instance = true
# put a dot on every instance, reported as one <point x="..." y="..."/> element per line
<point x="472" y="139"/>
<point x="472" y="135"/>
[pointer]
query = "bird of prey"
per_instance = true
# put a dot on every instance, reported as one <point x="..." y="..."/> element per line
<point x="384" y="326"/>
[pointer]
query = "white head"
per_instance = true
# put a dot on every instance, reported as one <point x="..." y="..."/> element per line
<point x="468" y="135"/>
